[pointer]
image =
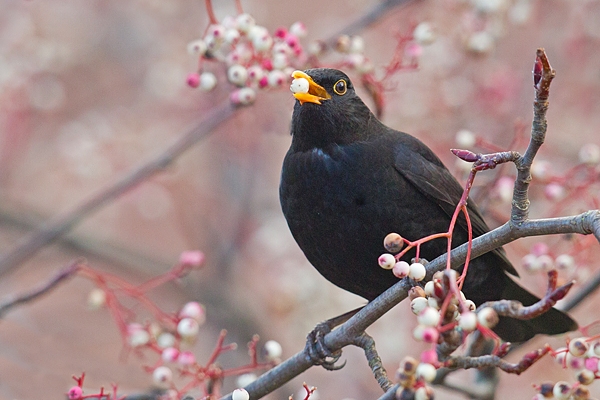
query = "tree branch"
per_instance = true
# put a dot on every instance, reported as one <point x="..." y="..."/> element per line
<point x="55" y="228"/>
<point x="60" y="277"/>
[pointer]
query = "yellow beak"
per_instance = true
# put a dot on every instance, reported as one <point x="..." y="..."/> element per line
<point x="316" y="93"/>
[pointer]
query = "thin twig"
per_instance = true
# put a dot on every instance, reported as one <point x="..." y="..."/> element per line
<point x="62" y="224"/>
<point x="60" y="277"/>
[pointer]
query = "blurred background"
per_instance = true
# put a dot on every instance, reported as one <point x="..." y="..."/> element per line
<point x="89" y="91"/>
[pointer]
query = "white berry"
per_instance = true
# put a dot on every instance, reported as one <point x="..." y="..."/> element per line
<point x="401" y="269"/>
<point x="237" y="75"/>
<point x="418" y="304"/>
<point x="417" y="272"/>
<point x="240" y="394"/>
<point x="194" y="310"/>
<point x="424" y="33"/>
<point x="386" y="261"/>
<point x="429" y="317"/>
<point x="465" y="138"/>
<point x="578" y="347"/>
<point x="468" y="321"/>
<point x="426" y="371"/>
<point x="487" y="317"/>
<point x="273" y="350"/>
<point x="188" y="327"/>
<point x="207" y="81"/>
<point x="162" y="377"/>
<point x="197" y="47"/>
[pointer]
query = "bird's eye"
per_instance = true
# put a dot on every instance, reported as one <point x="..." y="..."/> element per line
<point x="340" y="87"/>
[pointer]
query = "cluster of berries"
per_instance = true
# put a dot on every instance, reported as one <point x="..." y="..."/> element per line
<point x="255" y="59"/>
<point x="582" y="355"/>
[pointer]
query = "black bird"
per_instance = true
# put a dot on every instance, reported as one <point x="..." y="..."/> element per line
<point x="348" y="180"/>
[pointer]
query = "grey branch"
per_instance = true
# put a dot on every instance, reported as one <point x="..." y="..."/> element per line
<point x="60" y="277"/>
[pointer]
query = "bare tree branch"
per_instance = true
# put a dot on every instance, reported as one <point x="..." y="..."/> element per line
<point x="55" y="228"/>
<point x="60" y="277"/>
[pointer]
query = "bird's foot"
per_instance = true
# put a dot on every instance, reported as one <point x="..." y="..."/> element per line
<point x="317" y="351"/>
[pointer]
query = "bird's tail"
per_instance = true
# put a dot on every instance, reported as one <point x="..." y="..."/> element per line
<point x="552" y="322"/>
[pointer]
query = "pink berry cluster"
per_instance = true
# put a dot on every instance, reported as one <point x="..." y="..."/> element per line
<point x="168" y="335"/>
<point x="254" y="57"/>
<point x="582" y="355"/>
<point x="541" y="258"/>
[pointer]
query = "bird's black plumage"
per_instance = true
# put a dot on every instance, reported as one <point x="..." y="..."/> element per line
<point x="348" y="180"/>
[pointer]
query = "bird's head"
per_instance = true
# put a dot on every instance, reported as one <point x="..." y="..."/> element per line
<point x="327" y="111"/>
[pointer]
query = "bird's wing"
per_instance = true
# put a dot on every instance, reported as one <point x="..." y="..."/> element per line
<point x="421" y="167"/>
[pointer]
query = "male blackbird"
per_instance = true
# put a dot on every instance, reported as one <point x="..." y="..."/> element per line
<point x="348" y="180"/>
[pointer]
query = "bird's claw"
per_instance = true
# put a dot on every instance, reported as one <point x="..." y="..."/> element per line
<point x="317" y="351"/>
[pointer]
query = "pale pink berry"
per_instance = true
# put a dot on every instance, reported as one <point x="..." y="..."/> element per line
<point x="245" y="379"/>
<point x="193" y="257"/>
<point x="245" y="22"/>
<point x="193" y="80"/>
<point x="564" y="262"/>
<point x="401" y="269"/>
<point x="240" y="394"/>
<point x="424" y="393"/>
<point x="276" y="78"/>
<point x="418" y="332"/>
<point x="237" y="74"/>
<point x="424" y="33"/>
<point x="137" y="335"/>
<point x="207" y="81"/>
<point x="162" y="377"/>
<point x="273" y="350"/>
<point x="554" y="191"/>
<point x="504" y="188"/>
<point x="188" y="327"/>
<point x="468" y="321"/>
<point x="578" y="347"/>
<point x="540" y="248"/>
<point x="96" y="298"/>
<point x="197" y="47"/>
<point x="540" y="169"/>
<point x="243" y="97"/>
<point x="545" y="262"/>
<point x="261" y="40"/>
<point x="417" y="271"/>
<point x="169" y="354"/>
<point x="186" y="358"/>
<point x="232" y="36"/>
<point x="465" y="139"/>
<point x="280" y="61"/>
<point x="430" y="335"/>
<point x="386" y="261"/>
<point x="426" y="372"/>
<point x="418" y="304"/>
<point x="165" y="339"/>
<point x="429" y="317"/>
<point x="573" y="362"/>
<point x="530" y="262"/>
<point x="414" y="50"/>
<point x="589" y="154"/>
<point x="470" y="305"/>
<point x="562" y="390"/>
<point x="487" y="317"/>
<point x="357" y="45"/>
<point x="481" y="42"/>
<point x="255" y="73"/>
<point x="216" y="30"/>
<point x="75" y="393"/>
<point x="298" y="29"/>
<point x="194" y="310"/>
<point x="433" y="302"/>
